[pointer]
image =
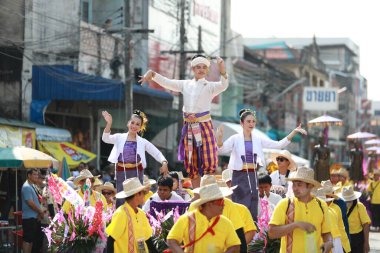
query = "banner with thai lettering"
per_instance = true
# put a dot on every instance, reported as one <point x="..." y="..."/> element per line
<point x="320" y="99"/>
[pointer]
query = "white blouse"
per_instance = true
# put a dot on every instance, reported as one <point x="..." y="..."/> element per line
<point x="197" y="95"/>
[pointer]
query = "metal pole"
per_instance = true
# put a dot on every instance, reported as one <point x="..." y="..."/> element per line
<point x="182" y="63"/>
<point x="127" y="62"/>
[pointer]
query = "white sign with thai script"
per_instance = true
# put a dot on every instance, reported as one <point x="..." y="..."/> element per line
<point x="320" y="99"/>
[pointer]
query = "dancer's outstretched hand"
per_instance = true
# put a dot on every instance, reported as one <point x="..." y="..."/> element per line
<point x="300" y="130"/>
<point x="219" y="135"/>
<point x="147" y="77"/>
<point x="107" y="117"/>
<point x="222" y="67"/>
<point x="164" y="169"/>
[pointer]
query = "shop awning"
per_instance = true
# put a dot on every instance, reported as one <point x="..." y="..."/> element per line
<point x="74" y="155"/>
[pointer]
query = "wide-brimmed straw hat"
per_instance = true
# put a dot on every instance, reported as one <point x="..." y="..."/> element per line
<point x="286" y="154"/>
<point x="376" y="172"/>
<point x="211" y="192"/>
<point x="147" y="181"/>
<point x="97" y="182"/>
<point x="208" y="180"/>
<point x="131" y="186"/>
<point x="343" y="172"/>
<point x="321" y="194"/>
<point x="108" y="186"/>
<point x="227" y="175"/>
<point x="329" y="188"/>
<point x="304" y="174"/>
<point x="348" y="193"/>
<point x="84" y="174"/>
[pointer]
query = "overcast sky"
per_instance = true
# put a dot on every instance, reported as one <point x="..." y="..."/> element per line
<point x="354" y="19"/>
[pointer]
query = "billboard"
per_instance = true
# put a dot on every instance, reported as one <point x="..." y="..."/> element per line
<point x="320" y="99"/>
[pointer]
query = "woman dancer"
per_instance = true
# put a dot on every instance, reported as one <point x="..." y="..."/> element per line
<point x="246" y="150"/>
<point x="197" y="147"/>
<point x="128" y="152"/>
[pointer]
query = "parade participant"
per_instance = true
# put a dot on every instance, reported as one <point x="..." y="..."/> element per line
<point x="109" y="192"/>
<point x="334" y="177"/>
<point x="129" y="230"/>
<point x="94" y="195"/>
<point x="177" y="186"/>
<point x="97" y="184"/>
<point x="321" y="160"/>
<point x="197" y="147"/>
<point x="186" y="183"/>
<point x="32" y="211"/>
<point x="148" y="183"/>
<point x="265" y="184"/>
<point x="374" y="190"/>
<point x="344" y="178"/>
<point x="285" y="164"/>
<point x="230" y="211"/>
<point x="302" y="221"/>
<point x="358" y="220"/>
<point x="336" y="224"/>
<point x="246" y="152"/>
<point x="128" y="152"/>
<point x="205" y="229"/>
<point x="340" y="211"/>
<point x="356" y="157"/>
<point x="164" y="192"/>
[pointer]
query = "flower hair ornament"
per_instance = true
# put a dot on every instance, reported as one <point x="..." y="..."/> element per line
<point x="144" y="120"/>
<point x="245" y="112"/>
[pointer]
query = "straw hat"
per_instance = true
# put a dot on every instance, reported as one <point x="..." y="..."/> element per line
<point x="131" y="186"/>
<point x="108" y="186"/>
<point x="286" y="154"/>
<point x="321" y="194"/>
<point x="211" y="192"/>
<point x="376" y="172"/>
<point x="227" y="175"/>
<point x="348" y="193"/>
<point x="97" y="182"/>
<point x="84" y="174"/>
<point x="304" y="174"/>
<point x="343" y="172"/>
<point x="208" y="180"/>
<point x="328" y="187"/>
<point x="148" y="182"/>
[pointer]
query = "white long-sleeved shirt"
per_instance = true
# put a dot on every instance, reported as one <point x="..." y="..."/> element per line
<point x="197" y="95"/>
<point x="236" y="146"/>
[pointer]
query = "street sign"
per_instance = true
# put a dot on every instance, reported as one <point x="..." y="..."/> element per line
<point x="320" y="99"/>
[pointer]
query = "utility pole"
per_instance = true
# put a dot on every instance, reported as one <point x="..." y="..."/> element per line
<point x="127" y="62"/>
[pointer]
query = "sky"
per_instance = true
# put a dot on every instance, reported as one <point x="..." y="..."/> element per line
<point x="354" y="19"/>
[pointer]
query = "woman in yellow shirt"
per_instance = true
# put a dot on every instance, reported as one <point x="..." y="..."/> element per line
<point x="374" y="189"/>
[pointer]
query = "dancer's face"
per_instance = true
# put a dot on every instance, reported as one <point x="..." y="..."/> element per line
<point x="134" y="124"/>
<point x="200" y="71"/>
<point x="249" y="123"/>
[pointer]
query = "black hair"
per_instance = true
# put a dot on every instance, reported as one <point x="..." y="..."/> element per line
<point x="165" y="181"/>
<point x="198" y="55"/>
<point x="243" y="113"/>
<point x="30" y="171"/>
<point x="174" y="174"/>
<point x="265" y="179"/>
<point x="142" y="116"/>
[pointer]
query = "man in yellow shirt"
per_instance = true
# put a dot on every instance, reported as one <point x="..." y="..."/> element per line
<point x="80" y="180"/>
<point x="148" y="183"/>
<point x="109" y="192"/>
<point x="129" y="230"/>
<point x="374" y="189"/>
<point x="205" y="229"/>
<point x="302" y="221"/>
<point x="358" y="220"/>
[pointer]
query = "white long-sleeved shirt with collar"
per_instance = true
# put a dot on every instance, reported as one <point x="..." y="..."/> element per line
<point x="236" y="146"/>
<point x="197" y="95"/>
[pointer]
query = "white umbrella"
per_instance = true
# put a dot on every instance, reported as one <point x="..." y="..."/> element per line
<point x="372" y="142"/>
<point x="361" y="135"/>
<point x="325" y="120"/>
<point x="373" y="149"/>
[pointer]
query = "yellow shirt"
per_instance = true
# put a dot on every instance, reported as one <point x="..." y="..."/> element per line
<point x="246" y="217"/>
<point x="147" y="196"/>
<point x="118" y="228"/>
<point x="93" y="198"/>
<point x="310" y="212"/>
<point x="224" y="238"/>
<point x="335" y="232"/>
<point x="190" y="192"/>
<point x="229" y="211"/>
<point x="358" y="218"/>
<point x="374" y="187"/>
<point x="343" y="235"/>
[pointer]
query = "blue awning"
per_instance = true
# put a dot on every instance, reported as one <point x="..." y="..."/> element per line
<point x="61" y="82"/>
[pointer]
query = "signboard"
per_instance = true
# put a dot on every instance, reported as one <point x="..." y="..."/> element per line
<point x="320" y="99"/>
<point x="15" y="136"/>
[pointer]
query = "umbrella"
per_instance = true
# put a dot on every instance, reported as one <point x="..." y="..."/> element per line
<point x="31" y="158"/>
<point x="325" y="121"/>
<point x="372" y="142"/>
<point x="377" y="149"/>
<point x="64" y="171"/>
<point x="361" y="135"/>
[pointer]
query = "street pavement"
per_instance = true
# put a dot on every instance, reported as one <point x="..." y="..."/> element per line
<point x="374" y="242"/>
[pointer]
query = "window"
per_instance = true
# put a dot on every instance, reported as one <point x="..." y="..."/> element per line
<point x="86" y="11"/>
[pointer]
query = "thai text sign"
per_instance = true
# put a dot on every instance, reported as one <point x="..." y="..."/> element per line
<point x="320" y="99"/>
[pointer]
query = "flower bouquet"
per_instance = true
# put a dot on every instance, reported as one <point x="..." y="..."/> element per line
<point x="81" y="230"/>
<point x="261" y="242"/>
